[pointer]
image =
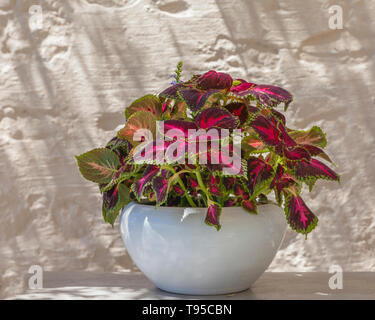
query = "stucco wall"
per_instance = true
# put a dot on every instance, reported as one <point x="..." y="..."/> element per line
<point x="64" y="84"/>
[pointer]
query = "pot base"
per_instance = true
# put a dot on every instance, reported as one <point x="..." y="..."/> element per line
<point x="179" y="253"/>
<point x="216" y="292"/>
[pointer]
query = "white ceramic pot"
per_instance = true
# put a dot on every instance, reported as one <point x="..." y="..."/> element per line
<point x="184" y="255"/>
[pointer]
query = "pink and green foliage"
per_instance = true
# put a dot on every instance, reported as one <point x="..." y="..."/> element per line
<point x="275" y="160"/>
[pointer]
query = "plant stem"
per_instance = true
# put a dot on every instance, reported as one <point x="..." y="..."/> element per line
<point x="201" y="185"/>
<point x="182" y="185"/>
<point x="259" y="192"/>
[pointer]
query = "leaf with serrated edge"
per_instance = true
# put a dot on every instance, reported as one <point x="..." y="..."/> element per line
<point x="197" y="99"/>
<point x="213" y="216"/>
<point x="266" y="130"/>
<point x="250" y="206"/>
<point x="98" y="165"/>
<point x="314" y="136"/>
<point x="160" y="185"/>
<point x="150" y="172"/>
<point x="259" y="173"/>
<point x="137" y="121"/>
<point x="120" y="197"/>
<point x="216" y="117"/>
<point x="148" y="103"/>
<point x="314" y="169"/>
<point x="299" y="216"/>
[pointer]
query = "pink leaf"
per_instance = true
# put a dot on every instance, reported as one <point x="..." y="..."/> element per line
<point x="242" y="87"/>
<point x="213" y="216"/>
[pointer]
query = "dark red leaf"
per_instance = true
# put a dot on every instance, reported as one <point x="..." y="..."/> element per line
<point x="296" y="153"/>
<point x="258" y="173"/>
<point x="213" y="216"/>
<point x="253" y="110"/>
<point x="285" y="137"/>
<point x="305" y="170"/>
<point x="214" y="80"/>
<point x="216" y="117"/>
<point x="183" y="126"/>
<point x="280" y="181"/>
<point x="266" y="130"/>
<point x="266" y="94"/>
<point x="249" y="206"/>
<point x="228" y="182"/>
<point x="160" y="187"/>
<point x="150" y="172"/>
<point x="192" y="182"/>
<point x="196" y="99"/>
<point x="239" y="190"/>
<point x="243" y="87"/>
<point x="278" y="176"/>
<point x="239" y="110"/>
<point x="299" y="216"/>
<point x="271" y="95"/>
<point x="171" y="92"/>
<point x="110" y="198"/>
<point x="316" y="151"/>
<point x="279" y="116"/>
<point x="213" y="185"/>
<point x="178" y="190"/>
<point x="230" y="203"/>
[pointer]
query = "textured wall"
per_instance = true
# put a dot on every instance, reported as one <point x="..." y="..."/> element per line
<point x="65" y="82"/>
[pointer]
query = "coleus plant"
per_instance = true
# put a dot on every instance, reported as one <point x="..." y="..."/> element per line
<point x="275" y="159"/>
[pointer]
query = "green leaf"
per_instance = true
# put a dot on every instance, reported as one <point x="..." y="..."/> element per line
<point x="120" y="177"/>
<point x="179" y="110"/>
<point x="148" y="103"/>
<point x="113" y="203"/>
<point x="315" y="136"/>
<point x="139" y="120"/>
<point x="251" y="144"/>
<point x="98" y="165"/>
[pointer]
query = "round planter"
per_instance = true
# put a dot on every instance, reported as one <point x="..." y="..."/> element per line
<point x="181" y="254"/>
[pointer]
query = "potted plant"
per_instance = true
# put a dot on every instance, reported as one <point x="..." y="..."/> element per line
<point x="213" y="151"/>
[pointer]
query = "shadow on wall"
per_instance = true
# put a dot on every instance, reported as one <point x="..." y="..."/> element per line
<point x="50" y="213"/>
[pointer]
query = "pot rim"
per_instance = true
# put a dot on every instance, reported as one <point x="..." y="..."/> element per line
<point x="196" y="208"/>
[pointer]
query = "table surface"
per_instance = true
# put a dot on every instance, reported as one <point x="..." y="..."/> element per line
<point x="134" y="285"/>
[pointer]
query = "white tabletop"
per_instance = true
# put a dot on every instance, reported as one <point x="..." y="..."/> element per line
<point x="134" y="285"/>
